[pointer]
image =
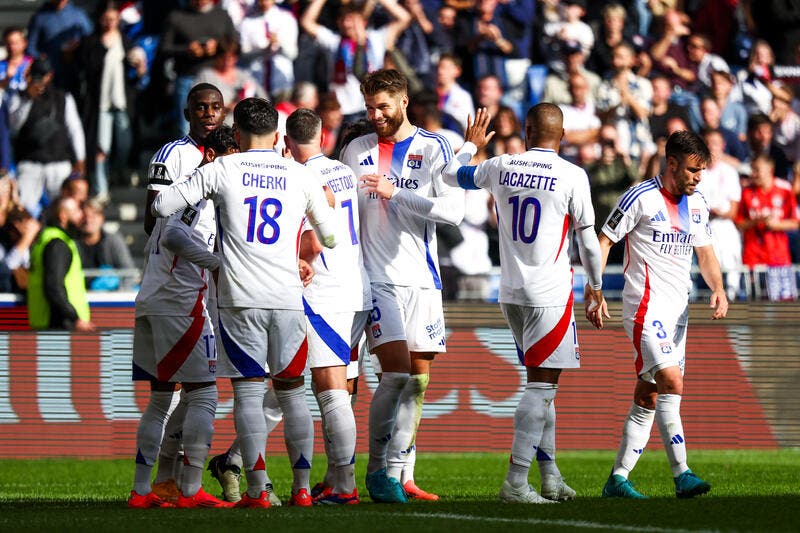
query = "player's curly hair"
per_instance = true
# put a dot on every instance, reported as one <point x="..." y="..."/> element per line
<point x="384" y="80"/>
<point x="256" y="116"/>
<point x="686" y="143"/>
<point x="221" y="140"/>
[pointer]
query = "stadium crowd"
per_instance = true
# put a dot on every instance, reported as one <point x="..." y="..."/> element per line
<point x="91" y="89"/>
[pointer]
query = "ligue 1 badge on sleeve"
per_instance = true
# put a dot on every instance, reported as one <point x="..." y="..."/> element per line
<point x="615" y="218"/>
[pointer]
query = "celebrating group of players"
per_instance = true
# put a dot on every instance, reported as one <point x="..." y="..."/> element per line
<point x="263" y="266"/>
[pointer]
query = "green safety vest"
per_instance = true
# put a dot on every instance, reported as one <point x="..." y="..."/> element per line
<point x="74" y="281"/>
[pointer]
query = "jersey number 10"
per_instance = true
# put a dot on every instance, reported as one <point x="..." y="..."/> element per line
<point x="267" y="220"/>
<point x="520" y="212"/>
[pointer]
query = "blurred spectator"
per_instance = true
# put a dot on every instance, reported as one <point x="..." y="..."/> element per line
<point x="233" y="82"/>
<point x="100" y="249"/>
<point x="609" y="177"/>
<point x="735" y="149"/>
<point x="570" y="30"/>
<point x="506" y="124"/>
<point x="722" y="191"/>
<point x="48" y="136"/>
<point x="698" y="50"/>
<point x="55" y="31"/>
<point x="495" y="39"/>
<point x="18" y="229"/>
<point x="767" y="212"/>
<point x="75" y="187"/>
<point x="424" y="112"/>
<point x="581" y="125"/>
<point x="556" y="88"/>
<point x="269" y="46"/>
<point x="412" y="43"/>
<point x="509" y="144"/>
<point x="6" y="156"/>
<point x="470" y="257"/>
<point x="656" y="163"/>
<point x="342" y="46"/>
<point x="786" y="133"/>
<point x="669" y="51"/>
<point x="454" y="100"/>
<point x="760" y="140"/>
<point x="14" y="67"/>
<point x="664" y="108"/>
<point x="108" y="101"/>
<point x="609" y="34"/>
<point x="779" y="23"/>
<point x="625" y="100"/>
<point x="733" y="115"/>
<point x="330" y="112"/>
<point x="757" y="83"/>
<point x="489" y="94"/>
<point x="56" y="285"/>
<point x="191" y="38"/>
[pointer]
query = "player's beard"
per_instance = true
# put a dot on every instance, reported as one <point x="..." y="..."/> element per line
<point x="390" y="126"/>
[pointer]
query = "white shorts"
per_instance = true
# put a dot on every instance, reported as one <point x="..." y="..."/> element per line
<point x="546" y="337"/>
<point x="333" y="338"/>
<point x="174" y="349"/>
<point x="410" y="314"/>
<point x="251" y="339"/>
<point x="358" y="353"/>
<point x="657" y="344"/>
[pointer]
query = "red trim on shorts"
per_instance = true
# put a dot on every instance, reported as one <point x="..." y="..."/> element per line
<point x="354" y="353"/>
<point x="638" y="321"/>
<point x="544" y="347"/>
<point x="563" y="237"/>
<point x="179" y="353"/>
<point x="298" y="364"/>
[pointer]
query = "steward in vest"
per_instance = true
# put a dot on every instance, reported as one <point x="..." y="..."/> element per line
<point x="56" y="285"/>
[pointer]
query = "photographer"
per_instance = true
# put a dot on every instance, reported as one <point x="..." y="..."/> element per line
<point x="609" y="176"/>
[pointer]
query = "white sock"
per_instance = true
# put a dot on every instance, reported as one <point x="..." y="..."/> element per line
<point x="635" y="434"/>
<point x="198" y="429"/>
<point x="329" y="480"/>
<point x="272" y="410"/>
<point x="409" y="412"/>
<point x="382" y="413"/>
<point x="411" y="462"/>
<point x="529" y="421"/>
<point x="546" y="452"/>
<point x="148" y="439"/>
<point x="668" y="418"/>
<point x="234" y="454"/>
<point x="298" y="432"/>
<point x="340" y="424"/>
<point x="251" y="430"/>
<point x="169" y="467"/>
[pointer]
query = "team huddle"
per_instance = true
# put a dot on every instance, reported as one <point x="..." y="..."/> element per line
<point x="265" y="267"/>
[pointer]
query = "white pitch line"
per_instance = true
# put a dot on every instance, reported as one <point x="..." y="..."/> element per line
<point x="582" y="524"/>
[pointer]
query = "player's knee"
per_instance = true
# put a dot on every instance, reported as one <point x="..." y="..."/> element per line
<point x="646" y="399"/>
<point x="287" y="383"/>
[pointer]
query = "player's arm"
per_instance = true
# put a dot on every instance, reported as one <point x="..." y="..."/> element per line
<point x="596" y="306"/>
<point x="201" y="184"/>
<point x="321" y="215"/>
<point x="457" y="172"/>
<point x="709" y="269"/>
<point x="177" y="237"/>
<point x="159" y="177"/>
<point x="447" y="207"/>
<point x="310" y="248"/>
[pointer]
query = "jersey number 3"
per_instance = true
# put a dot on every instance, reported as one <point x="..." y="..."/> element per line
<point x="262" y="221"/>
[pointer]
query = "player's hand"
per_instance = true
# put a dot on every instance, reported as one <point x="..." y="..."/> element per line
<point x="380" y="185"/>
<point x="595" y="306"/>
<point x="83" y="326"/>
<point x="306" y="272"/>
<point x="719" y="303"/>
<point x="476" y="131"/>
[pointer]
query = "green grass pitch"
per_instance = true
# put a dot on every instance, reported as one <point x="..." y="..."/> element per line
<point x="752" y="491"/>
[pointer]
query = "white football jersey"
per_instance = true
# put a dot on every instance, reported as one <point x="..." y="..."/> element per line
<point x="340" y="281"/>
<point x="180" y="279"/>
<point x="261" y="200"/>
<point x="540" y="199"/>
<point x="399" y="245"/>
<point x="171" y="285"/>
<point x="662" y="231"/>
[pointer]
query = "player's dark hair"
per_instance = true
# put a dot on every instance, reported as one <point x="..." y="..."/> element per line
<point x="384" y="80"/>
<point x="303" y="126"/>
<point x="256" y="116"/>
<point x="757" y="120"/>
<point x="202" y="87"/>
<point x="221" y="140"/>
<point x="685" y="143"/>
<point x="350" y="131"/>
